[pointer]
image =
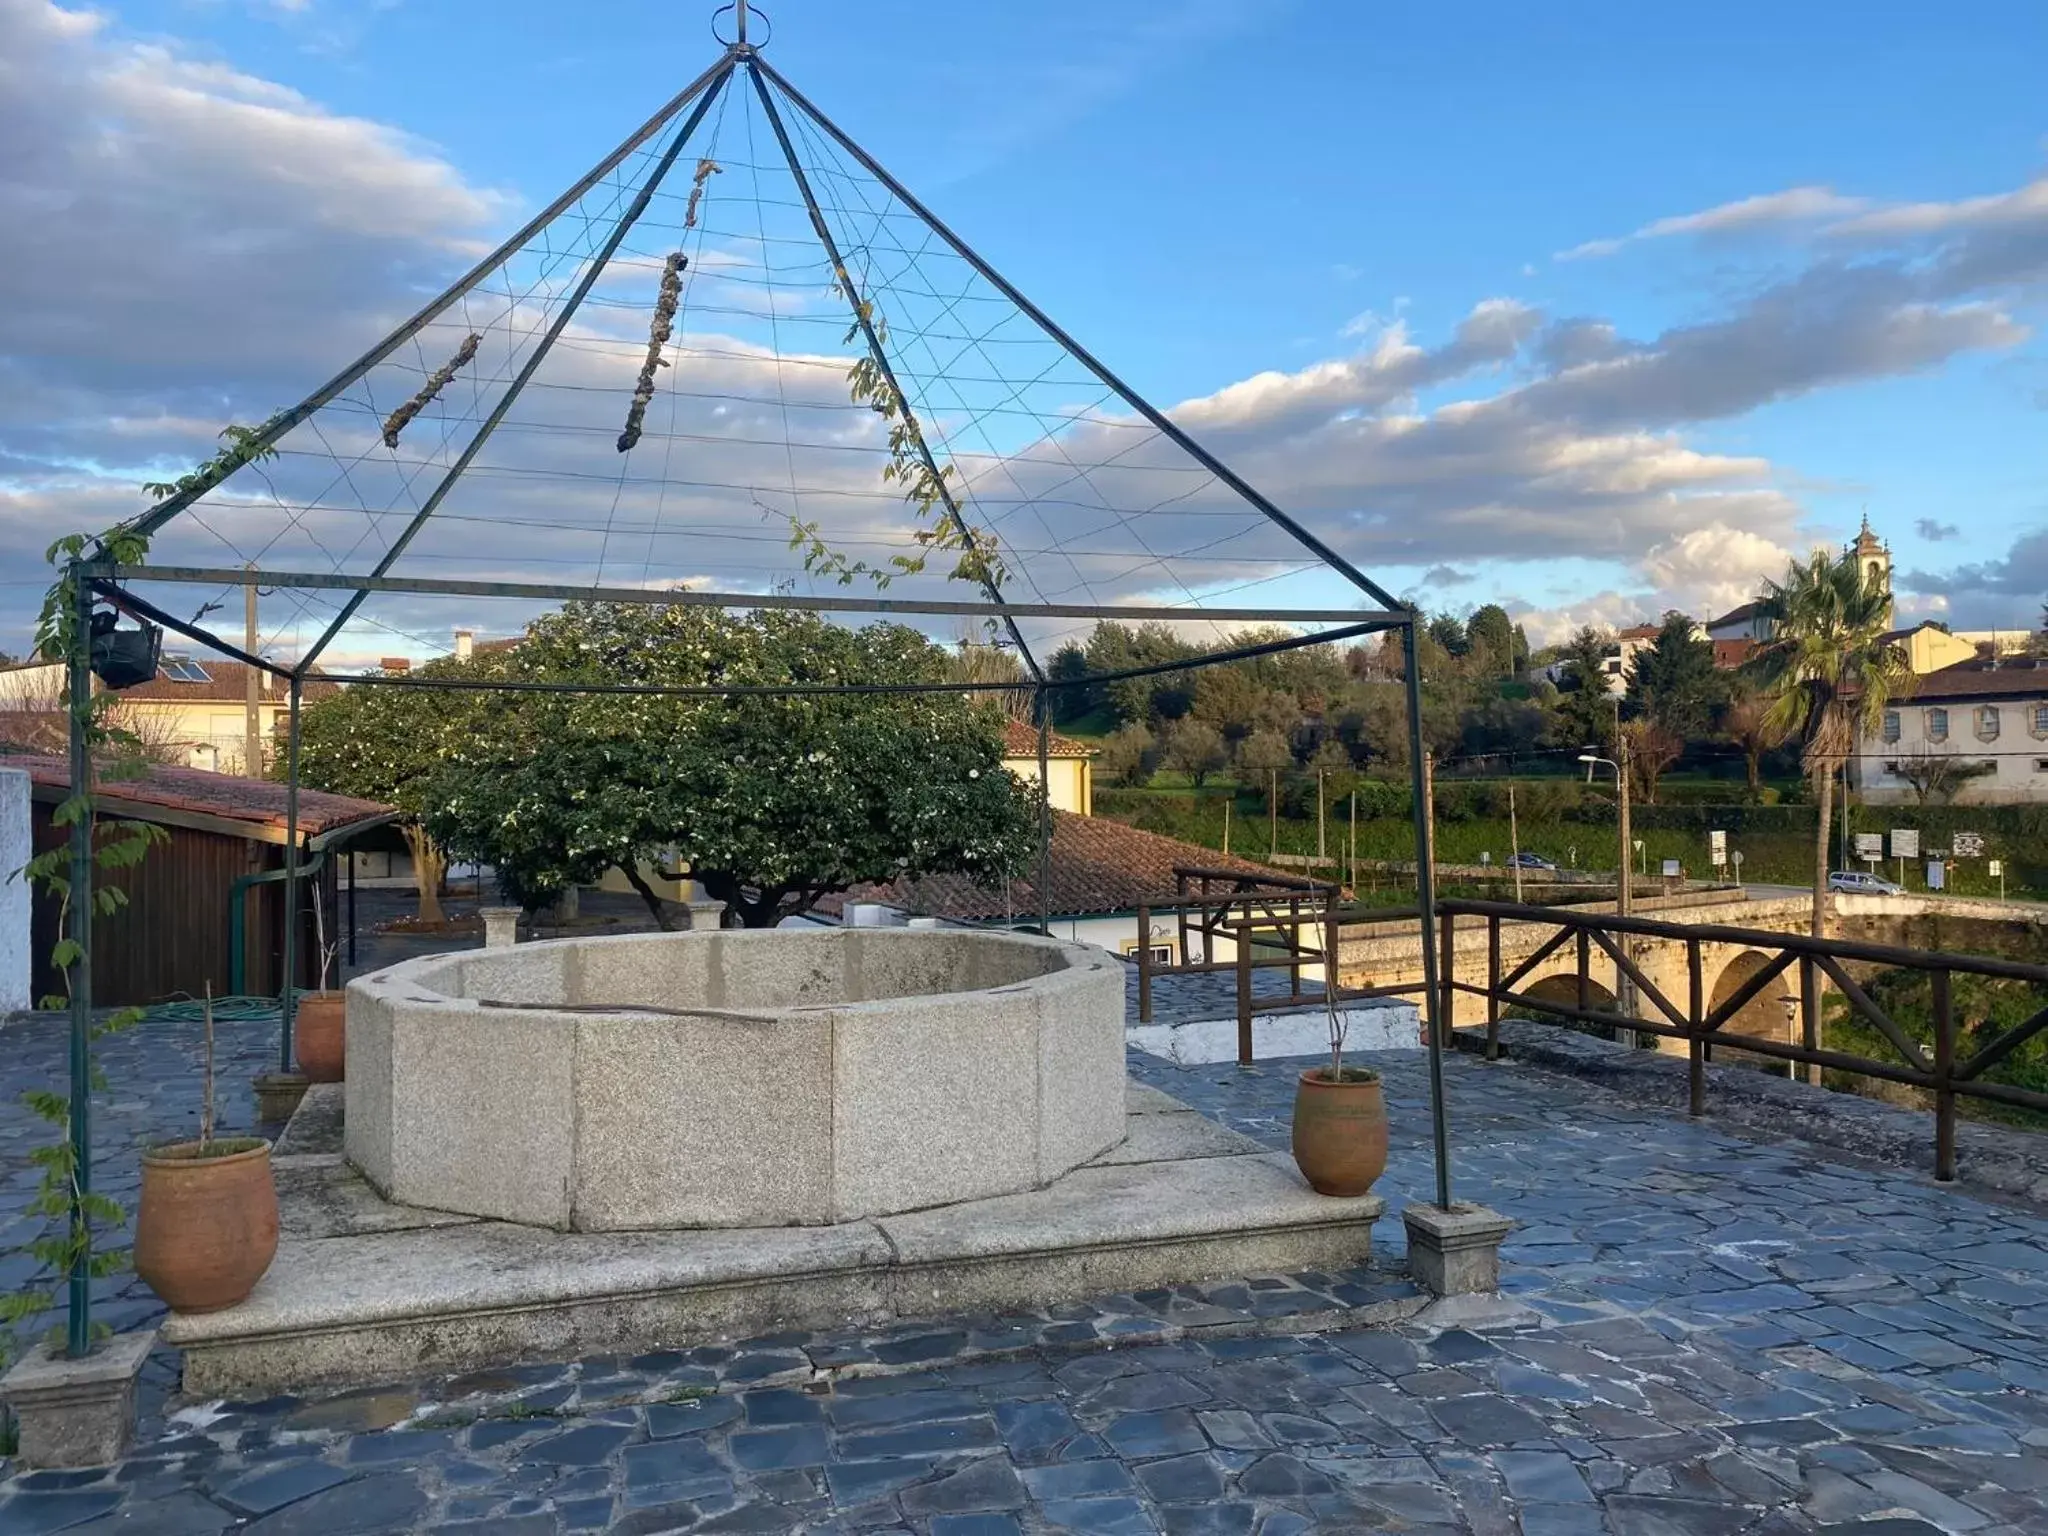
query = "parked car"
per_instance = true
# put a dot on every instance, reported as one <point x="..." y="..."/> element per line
<point x="1530" y="861"/>
<point x="1854" y="882"/>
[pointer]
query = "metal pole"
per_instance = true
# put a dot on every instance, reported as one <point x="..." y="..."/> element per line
<point x="1625" y="988"/>
<point x="1696" y="1013"/>
<point x="351" y="908"/>
<point x="286" y="992"/>
<point x="1944" y="1078"/>
<point x="513" y="390"/>
<point x="252" y="702"/>
<point x="1425" y="882"/>
<point x="1144" y="963"/>
<point x="1042" y="707"/>
<point x="78" y="1330"/>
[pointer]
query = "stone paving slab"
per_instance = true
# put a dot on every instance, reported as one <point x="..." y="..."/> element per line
<point x="1735" y="1336"/>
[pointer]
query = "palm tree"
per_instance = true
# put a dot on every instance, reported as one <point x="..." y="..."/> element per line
<point x="1829" y="673"/>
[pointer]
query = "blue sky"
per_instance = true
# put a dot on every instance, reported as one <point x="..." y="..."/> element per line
<point x="1839" y="311"/>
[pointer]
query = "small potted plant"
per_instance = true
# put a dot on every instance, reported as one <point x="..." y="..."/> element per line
<point x="206" y="1224"/>
<point x="1340" y="1117"/>
<point x="320" y="1018"/>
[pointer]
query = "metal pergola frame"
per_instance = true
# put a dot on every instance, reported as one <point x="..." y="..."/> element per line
<point x="97" y="578"/>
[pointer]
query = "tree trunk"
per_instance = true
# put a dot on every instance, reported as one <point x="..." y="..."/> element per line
<point x="1821" y="775"/>
<point x="630" y="868"/>
<point x="428" y="868"/>
<point x="1752" y="760"/>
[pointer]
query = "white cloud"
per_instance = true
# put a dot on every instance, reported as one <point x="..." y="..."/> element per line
<point x="1794" y="205"/>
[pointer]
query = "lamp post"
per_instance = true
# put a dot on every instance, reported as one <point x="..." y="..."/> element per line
<point x="1625" y="991"/>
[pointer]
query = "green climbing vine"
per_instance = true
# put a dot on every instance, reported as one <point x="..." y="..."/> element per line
<point x="75" y="1214"/>
<point x="930" y="488"/>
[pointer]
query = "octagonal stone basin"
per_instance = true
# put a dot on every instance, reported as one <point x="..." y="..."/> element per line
<point x="733" y="1078"/>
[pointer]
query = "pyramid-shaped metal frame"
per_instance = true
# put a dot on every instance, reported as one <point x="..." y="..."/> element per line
<point x="739" y="68"/>
<point x="97" y="577"/>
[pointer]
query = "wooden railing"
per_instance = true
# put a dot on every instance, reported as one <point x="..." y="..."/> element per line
<point x="1272" y="922"/>
<point x="1943" y="1071"/>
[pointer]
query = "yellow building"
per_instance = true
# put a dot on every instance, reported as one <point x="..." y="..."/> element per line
<point x="1069" y="764"/>
<point x="1929" y="648"/>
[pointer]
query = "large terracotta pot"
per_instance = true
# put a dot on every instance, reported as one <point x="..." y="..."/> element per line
<point x="319" y="1034"/>
<point x="206" y="1229"/>
<point x="1340" y="1131"/>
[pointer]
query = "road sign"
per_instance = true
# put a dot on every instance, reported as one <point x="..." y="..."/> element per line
<point x="1869" y="845"/>
<point x="1996" y="867"/>
<point x="1935" y="875"/>
<point x="1905" y="843"/>
<point x="1967" y="845"/>
<point x="1671" y="869"/>
<point x="1717" y="847"/>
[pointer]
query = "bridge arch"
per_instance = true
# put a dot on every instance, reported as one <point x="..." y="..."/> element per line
<point x="1763" y="1017"/>
<point x="1562" y="988"/>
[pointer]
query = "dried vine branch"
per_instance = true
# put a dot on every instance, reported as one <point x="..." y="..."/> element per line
<point x="657" y="338"/>
<point x="437" y="381"/>
<point x="706" y="169"/>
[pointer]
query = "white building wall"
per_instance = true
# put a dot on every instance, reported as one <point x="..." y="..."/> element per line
<point x="16" y="899"/>
<point x="2011" y="734"/>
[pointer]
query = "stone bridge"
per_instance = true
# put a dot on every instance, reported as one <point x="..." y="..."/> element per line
<point x="1388" y="954"/>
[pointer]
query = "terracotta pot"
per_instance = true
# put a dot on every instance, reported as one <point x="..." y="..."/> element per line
<point x="1340" y="1133"/>
<point x="319" y="1035"/>
<point x="206" y="1228"/>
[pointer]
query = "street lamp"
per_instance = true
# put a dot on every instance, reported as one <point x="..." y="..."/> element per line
<point x="1625" y="867"/>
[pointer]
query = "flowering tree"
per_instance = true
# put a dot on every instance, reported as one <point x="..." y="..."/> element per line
<point x="387" y="744"/>
<point x="770" y="800"/>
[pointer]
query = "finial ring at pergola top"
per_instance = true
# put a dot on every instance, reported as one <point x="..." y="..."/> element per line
<point x="744" y="14"/>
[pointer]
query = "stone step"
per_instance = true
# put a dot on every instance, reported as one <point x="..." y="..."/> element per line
<point x="365" y="1291"/>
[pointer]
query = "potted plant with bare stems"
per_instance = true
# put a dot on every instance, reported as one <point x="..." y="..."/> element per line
<point x="320" y="1019"/>
<point x="206" y="1225"/>
<point x="1340" y="1116"/>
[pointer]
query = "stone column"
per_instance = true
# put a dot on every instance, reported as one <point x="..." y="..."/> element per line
<point x="501" y="926"/>
<point x="16" y="899"/>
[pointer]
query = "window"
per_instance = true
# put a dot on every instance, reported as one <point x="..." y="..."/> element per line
<point x="1891" y="767"/>
<point x="1937" y="725"/>
<point x="2041" y="765"/>
<point x="1160" y="954"/>
<point x="179" y="669"/>
<point x="2041" y="719"/>
<point x="1891" y="725"/>
<point x="1987" y="722"/>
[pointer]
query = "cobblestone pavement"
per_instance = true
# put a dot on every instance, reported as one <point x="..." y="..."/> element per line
<point x="1731" y="1337"/>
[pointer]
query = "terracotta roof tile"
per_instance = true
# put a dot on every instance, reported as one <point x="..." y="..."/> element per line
<point x="1020" y="740"/>
<point x="1097" y="866"/>
<point x="257" y="801"/>
<point x="2015" y="677"/>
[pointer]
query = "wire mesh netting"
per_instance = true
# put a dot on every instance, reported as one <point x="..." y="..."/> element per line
<point x="738" y="361"/>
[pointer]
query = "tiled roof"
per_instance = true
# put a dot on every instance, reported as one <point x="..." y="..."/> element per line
<point x="1020" y="740"/>
<point x="2015" y="677"/>
<point x="227" y="682"/>
<point x="1097" y="866"/>
<point x="196" y="791"/>
<point x="1737" y="615"/>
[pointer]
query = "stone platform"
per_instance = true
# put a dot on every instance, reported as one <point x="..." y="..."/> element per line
<point x="364" y="1290"/>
